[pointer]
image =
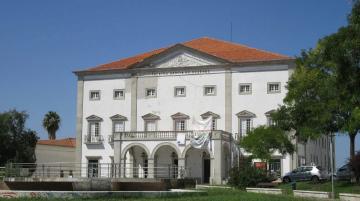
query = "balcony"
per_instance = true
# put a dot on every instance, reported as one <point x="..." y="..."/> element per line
<point x="91" y="139"/>
<point x="166" y="135"/>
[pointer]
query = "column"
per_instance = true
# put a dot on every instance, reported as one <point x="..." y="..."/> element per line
<point x="151" y="172"/>
<point x="117" y="158"/>
<point x="216" y="162"/>
<point x="181" y="168"/>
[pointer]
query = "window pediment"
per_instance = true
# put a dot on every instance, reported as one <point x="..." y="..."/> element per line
<point x="245" y="114"/>
<point x="118" y="117"/>
<point x="208" y="114"/>
<point x="268" y="113"/>
<point x="150" y="116"/>
<point x="93" y="118"/>
<point x="180" y="115"/>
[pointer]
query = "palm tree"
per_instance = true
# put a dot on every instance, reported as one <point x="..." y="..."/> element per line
<point x="51" y="123"/>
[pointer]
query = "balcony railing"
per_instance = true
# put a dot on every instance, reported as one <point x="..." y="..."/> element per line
<point x="91" y="139"/>
<point x="167" y="135"/>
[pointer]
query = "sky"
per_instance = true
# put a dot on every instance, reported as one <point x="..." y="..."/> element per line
<point x="43" y="42"/>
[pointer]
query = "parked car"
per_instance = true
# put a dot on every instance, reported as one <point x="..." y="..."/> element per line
<point x="344" y="173"/>
<point x="305" y="173"/>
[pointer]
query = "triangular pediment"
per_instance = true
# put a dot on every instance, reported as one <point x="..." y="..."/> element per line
<point x="93" y="118"/>
<point x="180" y="115"/>
<point x="118" y="117"/>
<point x="208" y="114"/>
<point x="180" y="56"/>
<point x="246" y="114"/>
<point x="268" y="113"/>
<point x="150" y="116"/>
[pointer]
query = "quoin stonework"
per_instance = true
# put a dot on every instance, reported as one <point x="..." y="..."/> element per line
<point x="138" y="114"/>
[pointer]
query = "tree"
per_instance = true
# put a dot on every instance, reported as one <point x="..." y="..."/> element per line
<point x="17" y="143"/>
<point x="51" y="123"/>
<point x="263" y="141"/>
<point x="355" y="166"/>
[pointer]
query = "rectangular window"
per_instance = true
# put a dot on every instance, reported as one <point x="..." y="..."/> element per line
<point x="274" y="87"/>
<point x="150" y="125"/>
<point x="94" y="95"/>
<point x="180" y="92"/>
<point x="270" y="121"/>
<point x="180" y="125"/>
<point x="94" y="129"/>
<point x="209" y="90"/>
<point x="119" y="126"/>
<point x="245" y="126"/>
<point x="119" y="94"/>
<point x="150" y="93"/>
<point x="245" y="88"/>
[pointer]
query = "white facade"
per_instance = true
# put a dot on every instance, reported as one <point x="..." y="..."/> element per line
<point x="193" y="72"/>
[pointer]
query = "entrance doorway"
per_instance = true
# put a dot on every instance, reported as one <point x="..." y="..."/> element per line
<point x="206" y="172"/>
<point x="93" y="168"/>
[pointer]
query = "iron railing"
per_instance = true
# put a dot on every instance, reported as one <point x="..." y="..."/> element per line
<point x="93" y="170"/>
<point x="92" y="139"/>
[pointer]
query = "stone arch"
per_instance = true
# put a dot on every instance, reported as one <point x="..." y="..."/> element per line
<point x="123" y="152"/>
<point x="183" y="155"/>
<point x="166" y="144"/>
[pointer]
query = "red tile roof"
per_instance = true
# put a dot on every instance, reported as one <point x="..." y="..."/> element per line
<point x="66" y="142"/>
<point x="232" y="52"/>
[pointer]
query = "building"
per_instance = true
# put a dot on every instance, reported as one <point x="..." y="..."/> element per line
<point x="55" y="157"/>
<point x="132" y="112"/>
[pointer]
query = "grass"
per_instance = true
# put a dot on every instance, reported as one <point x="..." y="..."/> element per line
<point x="340" y="187"/>
<point x="213" y="195"/>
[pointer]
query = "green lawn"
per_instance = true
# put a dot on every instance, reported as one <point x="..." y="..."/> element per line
<point x="213" y="195"/>
<point x="340" y="187"/>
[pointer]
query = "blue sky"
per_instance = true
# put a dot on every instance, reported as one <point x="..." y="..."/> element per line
<point x="42" y="42"/>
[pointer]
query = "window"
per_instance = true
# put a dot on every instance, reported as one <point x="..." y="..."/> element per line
<point x="245" y="126"/>
<point x="180" y="125"/>
<point x="274" y="87"/>
<point x="209" y="90"/>
<point x="94" y="129"/>
<point x="270" y="121"/>
<point x="180" y="92"/>
<point x="150" y="93"/>
<point x="150" y="125"/>
<point x="244" y="89"/>
<point x="119" y="94"/>
<point x="119" y="126"/>
<point x="94" y="95"/>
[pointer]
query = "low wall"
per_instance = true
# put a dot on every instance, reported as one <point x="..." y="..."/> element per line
<point x="275" y="191"/>
<point x="312" y="194"/>
<point x="96" y="194"/>
<point x="349" y="197"/>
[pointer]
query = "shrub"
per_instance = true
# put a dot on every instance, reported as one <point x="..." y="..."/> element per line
<point x="247" y="176"/>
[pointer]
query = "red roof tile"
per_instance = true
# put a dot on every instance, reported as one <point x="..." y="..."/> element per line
<point x="232" y="52"/>
<point x="66" y="142"/>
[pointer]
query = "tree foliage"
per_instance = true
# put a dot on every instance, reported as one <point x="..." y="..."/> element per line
<point x="17" y="143"/>
<point x="51" y="123"/>
<point x="263" y="141"/>
<point x="323" y="92"/>
<point x="355" y="166"/>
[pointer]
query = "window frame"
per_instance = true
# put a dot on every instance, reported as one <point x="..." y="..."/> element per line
<point x="241" y="135"/>
<point x="148" y="121"/>
<point x="246" y="92"/>
<point x="179" y="87"/>
<point x="114" y="122"/>
<point x="94" y="91"/>
<point x="152" y="96"/>
<point x="273" y="92"/>
<point x="180" y="120"/>
<point x="99" y="128"/>
<point x="120" y="97"/>
<point x="208" y="86"/>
